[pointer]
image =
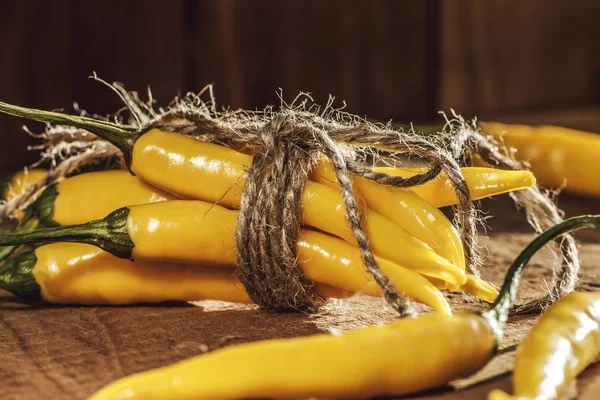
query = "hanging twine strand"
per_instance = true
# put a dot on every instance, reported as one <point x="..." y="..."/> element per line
<point x="541" y="214"/>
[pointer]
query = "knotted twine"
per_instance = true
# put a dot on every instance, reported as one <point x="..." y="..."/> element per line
<point x="287" y="144"/>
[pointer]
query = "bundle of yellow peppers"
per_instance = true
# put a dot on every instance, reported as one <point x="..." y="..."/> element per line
<point x="180" y="209"/>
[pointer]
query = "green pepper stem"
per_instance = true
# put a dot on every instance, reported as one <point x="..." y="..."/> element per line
<point x="498" y="313"/>
<point x="16" y="276"/>
<point x="109" y="234"/>
<point x="28" y="223"/>
<point x="122" y="137"/>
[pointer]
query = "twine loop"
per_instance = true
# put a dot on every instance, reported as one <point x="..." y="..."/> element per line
<point x="270" y="218"/>
<point x="287" y="145"/>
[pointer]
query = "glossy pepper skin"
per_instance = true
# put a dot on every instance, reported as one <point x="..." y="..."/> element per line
<point x="196" y="232"/>
<point x="404" y="207"/>
<point x="192" y="169"/>
<point x="482" y="182"/>
<point x="93" y="195"/>
<point x="13" y="187"/>
<point x="72" y="273"/>
<point x="171" y="162"/>
<point x="561" y="344"/>
<point x="83" y="198"/>
<point x="188" y="230"/>
<point x="399" y="358"/>
<point x="557" y="155"/>
<point x="379" y="360"/>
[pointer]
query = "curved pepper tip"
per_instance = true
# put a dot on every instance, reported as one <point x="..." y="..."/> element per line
<point x="528" y="177"/>
<point x="480" y="288"/>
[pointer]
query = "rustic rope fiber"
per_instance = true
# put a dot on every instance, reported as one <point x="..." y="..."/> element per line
<point x="542" y="214"/>
<point x="314" y="134"/>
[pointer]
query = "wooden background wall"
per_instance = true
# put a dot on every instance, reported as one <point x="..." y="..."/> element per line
<point x="388" y="59"/>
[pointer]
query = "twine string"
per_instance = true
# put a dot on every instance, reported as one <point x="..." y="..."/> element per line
<point x="541" y="214"/>
<point x="279" y="140"/>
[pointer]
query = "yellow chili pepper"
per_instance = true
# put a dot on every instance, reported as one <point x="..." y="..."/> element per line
<point x="154" y="229"/>
<point x="404" y="207"/>
<point x="205" y="171"/>
<point x="70" y="273"/>
<point x="482" y="182"/>
<point x="475" y="286"/>
<point x="395" y="359"/>
<point x="83" y="198"/>
<point x="389" y="359"/>
<point x="93" y="195"/>
<point x="197" y="232"/>
<point x="557" y="155"/>
<point x="561" y="344"/>
<point x="399" y="358"/>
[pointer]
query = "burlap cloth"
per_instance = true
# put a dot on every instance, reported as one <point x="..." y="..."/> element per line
<point x="69" y="352"/>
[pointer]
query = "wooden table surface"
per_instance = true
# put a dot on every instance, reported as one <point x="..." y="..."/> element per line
<point x="49" y="352"/>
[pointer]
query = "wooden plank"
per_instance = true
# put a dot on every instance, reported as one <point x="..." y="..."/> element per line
<point x="36" y="69"/>
<point x="372" y="55"/>
<point x="518" y="54"/>
<point x="54" y="47"/>
<point x="68" y="352"/>
<point x="138" y="43"/>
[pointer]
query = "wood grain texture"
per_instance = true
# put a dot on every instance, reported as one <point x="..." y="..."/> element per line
<point x="387" y="59"/>
<point x="69" y="352"/>
<point x="53" y="47"/>
<point x="508" y="55"/>
<point x="373" y="55"/>
<point x="35" y="70"/>
<point x="136" y="42"/>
